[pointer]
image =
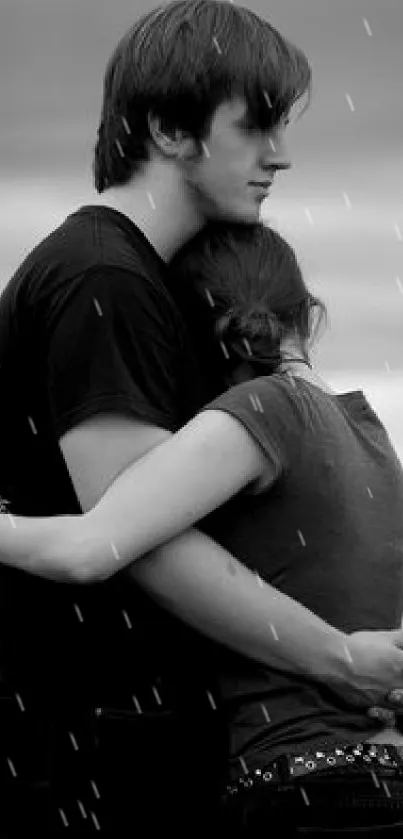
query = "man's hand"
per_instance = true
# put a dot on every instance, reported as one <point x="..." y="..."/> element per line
<point x="376" y="671"/>
<point x="393" y="719"/>
<point x="383" y="715"/>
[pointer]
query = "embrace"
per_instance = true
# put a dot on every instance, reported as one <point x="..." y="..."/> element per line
<point x="179" y="455"/>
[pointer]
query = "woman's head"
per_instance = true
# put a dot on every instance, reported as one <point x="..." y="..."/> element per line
<point x="180" y="62"/>
<point x="248" y="280"/>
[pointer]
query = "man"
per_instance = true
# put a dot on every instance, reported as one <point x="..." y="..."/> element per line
<point x="97" y="367"/>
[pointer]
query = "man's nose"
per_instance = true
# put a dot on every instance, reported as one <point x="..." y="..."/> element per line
<point x="276" y="154"/>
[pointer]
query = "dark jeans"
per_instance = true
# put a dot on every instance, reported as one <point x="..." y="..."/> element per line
<point x="122" y="776"/>
<point x="339" y="803"/>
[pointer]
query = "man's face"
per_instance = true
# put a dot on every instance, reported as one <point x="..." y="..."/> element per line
<point x="232" y="177"/>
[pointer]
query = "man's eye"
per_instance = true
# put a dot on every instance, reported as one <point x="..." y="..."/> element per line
<point x="284" y="122"/>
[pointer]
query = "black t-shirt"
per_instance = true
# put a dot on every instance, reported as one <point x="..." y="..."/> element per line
<point x="328" y="533"/>
<point x="87" y="325"/>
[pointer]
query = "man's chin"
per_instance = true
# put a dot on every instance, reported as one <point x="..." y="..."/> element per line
<point x="243" y="215"/>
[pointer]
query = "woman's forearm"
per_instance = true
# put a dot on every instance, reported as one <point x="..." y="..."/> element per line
<point x="52" y="548"/>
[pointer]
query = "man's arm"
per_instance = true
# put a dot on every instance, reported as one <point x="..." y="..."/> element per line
<point x="99" y="449"/>
<point x="203" y="585"/>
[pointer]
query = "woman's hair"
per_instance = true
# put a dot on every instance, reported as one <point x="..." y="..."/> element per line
<point x="180" y="62"/>
<point x="247" y="278"/>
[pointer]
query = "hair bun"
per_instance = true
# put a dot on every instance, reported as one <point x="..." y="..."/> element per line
<point x="254" y="323"/>
<point x="259" y="327"/>
<point x="260" y="323"/>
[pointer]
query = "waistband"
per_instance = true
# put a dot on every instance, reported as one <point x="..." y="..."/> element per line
<point x="286" y="768"/>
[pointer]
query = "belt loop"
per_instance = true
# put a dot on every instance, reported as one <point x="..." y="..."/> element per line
<point x="283" y="768"/>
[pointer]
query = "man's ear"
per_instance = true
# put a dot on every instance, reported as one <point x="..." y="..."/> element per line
<point x="171" y="141"/>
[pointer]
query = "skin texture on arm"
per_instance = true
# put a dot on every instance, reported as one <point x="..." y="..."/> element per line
<point x="37" y="545"/>
<point x="168" y="490"/>
<point x="97" y="450"/>
<point x="199" y="582"/>
<point x="190" y="576"/>
<point x="177" y="481"/>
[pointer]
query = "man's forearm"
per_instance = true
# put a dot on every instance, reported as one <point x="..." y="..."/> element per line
<point x="201" y="583"/>
<point x="197" y="580"/>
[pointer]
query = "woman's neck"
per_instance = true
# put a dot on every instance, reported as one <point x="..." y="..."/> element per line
<point x="300" y="370"/>
<point x="293" y="365"/>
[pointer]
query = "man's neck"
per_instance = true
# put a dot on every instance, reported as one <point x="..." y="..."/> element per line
<point x="158" y="204"/>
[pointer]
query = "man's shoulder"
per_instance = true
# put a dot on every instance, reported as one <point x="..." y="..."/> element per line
<point x="95" y="244"/>
<point x="95" y="235"/>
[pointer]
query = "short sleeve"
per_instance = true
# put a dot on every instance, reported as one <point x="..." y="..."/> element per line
<point x="112" y="347"/>
<point x="266" y="408"/>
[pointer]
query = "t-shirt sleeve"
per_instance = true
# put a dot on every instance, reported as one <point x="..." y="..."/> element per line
<point x="266" y="408"/>
<point x="112" y="347"/>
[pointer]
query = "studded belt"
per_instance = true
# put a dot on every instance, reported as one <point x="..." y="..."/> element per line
<point x="285" y="768"/>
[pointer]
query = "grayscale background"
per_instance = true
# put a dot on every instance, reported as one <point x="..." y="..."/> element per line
<point x="341" y="206"/>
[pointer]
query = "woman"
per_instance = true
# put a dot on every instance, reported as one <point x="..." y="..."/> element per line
<point x="304" y="486"/>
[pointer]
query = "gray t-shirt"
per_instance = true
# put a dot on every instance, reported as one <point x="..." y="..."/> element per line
<point x="329" y="533"/>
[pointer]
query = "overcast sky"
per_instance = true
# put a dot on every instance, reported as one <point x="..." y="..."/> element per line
<point x="341" y="205"/>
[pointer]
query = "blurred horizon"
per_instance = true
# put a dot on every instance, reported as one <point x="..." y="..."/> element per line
<point x="341" y="205"/>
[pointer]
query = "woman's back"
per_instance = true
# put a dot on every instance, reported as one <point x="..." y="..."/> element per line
<point x="328" y="533"/>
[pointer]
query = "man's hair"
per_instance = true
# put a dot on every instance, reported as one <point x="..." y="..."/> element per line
<point x="180" y="62"/>
<point x="250" y="292"/>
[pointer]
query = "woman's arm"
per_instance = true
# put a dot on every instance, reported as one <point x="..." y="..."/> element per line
<point x="169" y="489"/>
<point x="172" y="487"/>
<point x="202" y="584"/>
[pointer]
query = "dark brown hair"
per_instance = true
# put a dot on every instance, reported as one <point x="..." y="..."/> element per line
<point x="250" y="291"/>
<point x="180" y="62"/>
